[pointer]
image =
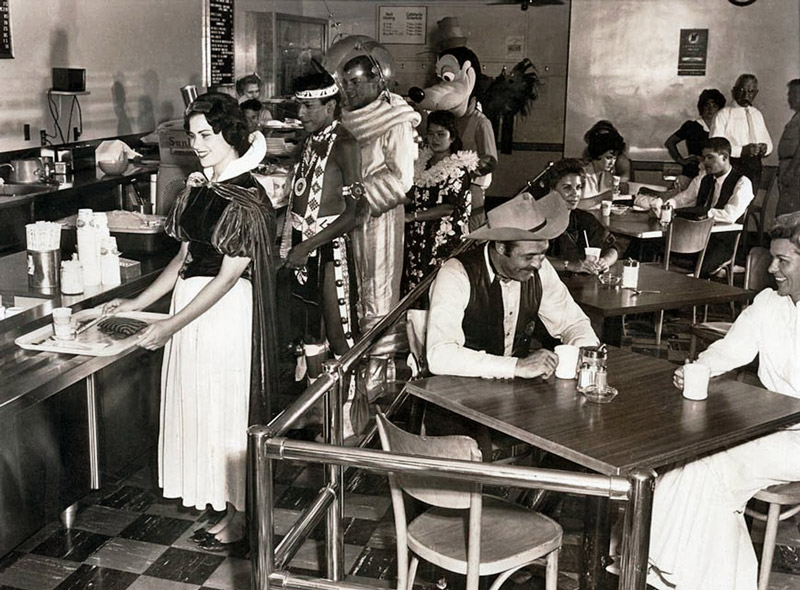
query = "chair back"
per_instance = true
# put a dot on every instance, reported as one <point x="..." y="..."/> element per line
<point x="431" y="490"/>
<point x="686" y="236"/>
<point x="756" y="275"/>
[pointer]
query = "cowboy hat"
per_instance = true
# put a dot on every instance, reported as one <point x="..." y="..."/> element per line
<point x="523" y="219"/>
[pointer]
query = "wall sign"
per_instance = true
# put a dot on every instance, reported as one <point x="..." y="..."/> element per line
<point x="692" y="55"/>
<point x="219" y="48"/>
<point x="405" y="25"/>
<point x="6" y="50"/>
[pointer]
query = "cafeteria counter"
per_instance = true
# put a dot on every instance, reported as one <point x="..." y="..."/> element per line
<point x="66" y="421"/>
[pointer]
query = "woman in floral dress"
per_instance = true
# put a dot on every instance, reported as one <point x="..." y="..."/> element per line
<point x="439" y="208"/>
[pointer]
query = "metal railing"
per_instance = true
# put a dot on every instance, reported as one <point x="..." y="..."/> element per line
<point x="266" y="444"/>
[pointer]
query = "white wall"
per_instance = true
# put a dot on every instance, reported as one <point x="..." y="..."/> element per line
<point x="144" y="50"/>
<point x="624" y="56"/>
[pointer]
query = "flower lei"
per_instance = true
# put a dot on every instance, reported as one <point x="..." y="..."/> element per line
<point x="450" y="168"/>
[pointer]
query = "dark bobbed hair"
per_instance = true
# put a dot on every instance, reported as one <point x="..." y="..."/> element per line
<point x="718" y="145"/>
<point x="602" y="139"/>
<point x="710" y="94"/>
<point x="563" y="168"/>
<point x="447" y="120"/>
<point x="252" y="104"/>
<point x="318" y="81"/>
<point x="787" y="227"/>
<point x="245" y="81"/>
<point x="224" y="115"/>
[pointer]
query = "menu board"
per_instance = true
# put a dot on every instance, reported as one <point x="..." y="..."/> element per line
<point x="220" y="36"/>
<point x="402" y="24"/>
<point x="6" y="50"/>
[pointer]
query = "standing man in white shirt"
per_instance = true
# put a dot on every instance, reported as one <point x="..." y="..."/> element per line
<point x="485" y="303"/>
<point x="723" y="193"/>
<point x="743" y="125"/>
<point x="699" y="536"/>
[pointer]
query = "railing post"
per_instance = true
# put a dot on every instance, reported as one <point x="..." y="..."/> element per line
<point x="261" y="499"/>
<point x="334" y="474"/>
<point x="636" y="536"/>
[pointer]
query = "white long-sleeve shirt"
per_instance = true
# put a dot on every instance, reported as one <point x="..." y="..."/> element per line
<point x="769" y="328"/>
<point x="731" y="123"/>
<point x="733" y="209"/>
<point x="450" y="293"/>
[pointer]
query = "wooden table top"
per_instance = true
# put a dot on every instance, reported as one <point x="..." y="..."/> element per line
<point x="640" y="224"/>
<point x="649" y="424"/>
<point x="676" y="290"/>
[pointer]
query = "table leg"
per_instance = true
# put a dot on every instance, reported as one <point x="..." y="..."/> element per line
<point x="93" y="423"/>
<point x="636" y="534"/>
<point x="596" y="535"/>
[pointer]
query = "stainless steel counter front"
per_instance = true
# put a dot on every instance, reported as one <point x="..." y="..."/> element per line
<point x="66" y="419"/>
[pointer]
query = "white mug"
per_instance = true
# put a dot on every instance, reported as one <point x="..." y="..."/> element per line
<point x="695" y="381"/>
<point x="567" y="360"/>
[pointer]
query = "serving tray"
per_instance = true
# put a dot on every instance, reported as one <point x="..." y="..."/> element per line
<point x="92" y="342"/>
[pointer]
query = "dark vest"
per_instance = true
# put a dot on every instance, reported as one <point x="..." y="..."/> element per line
<point x="483" y="317"/>
<point x="706" y="191"/>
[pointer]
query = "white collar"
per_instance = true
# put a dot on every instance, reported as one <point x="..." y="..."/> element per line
<point x="251" y="159"/>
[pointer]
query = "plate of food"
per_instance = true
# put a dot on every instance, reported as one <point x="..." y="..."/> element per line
<point x="619" y="209"/>
<point x="109" y="336"/>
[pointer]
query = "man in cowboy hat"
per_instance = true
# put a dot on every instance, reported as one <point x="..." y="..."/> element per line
<point x="485" y="303"/>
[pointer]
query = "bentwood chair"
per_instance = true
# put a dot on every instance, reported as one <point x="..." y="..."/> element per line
<point x="463" y="531"/>
<point x="756" y="277"/>
<point x="685" y="236"/>
<point x="777" y="497"/>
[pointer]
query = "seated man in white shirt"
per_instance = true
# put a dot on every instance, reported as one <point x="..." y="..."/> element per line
<point x="699" y="536"/>
<point x="485" y="304"/>
<point x="723" y="193"/>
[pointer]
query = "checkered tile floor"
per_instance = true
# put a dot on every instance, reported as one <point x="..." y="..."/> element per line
<point x="126" y="536"/>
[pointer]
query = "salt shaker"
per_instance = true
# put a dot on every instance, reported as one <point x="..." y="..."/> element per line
<point x="630" y="274"/>
<point x="666" y="214"/>
<point x="71" y="276"/>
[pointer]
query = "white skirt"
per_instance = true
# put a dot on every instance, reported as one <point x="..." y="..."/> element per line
<point x="205" y="392"/>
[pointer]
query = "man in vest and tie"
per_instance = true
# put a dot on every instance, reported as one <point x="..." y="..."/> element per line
<point x="485" y="304"/>
<point x="723" y="193"/>
<point x="743" y="125"/>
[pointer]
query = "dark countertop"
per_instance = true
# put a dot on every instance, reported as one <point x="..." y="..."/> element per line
<point x="82" y="180"/>
<point x="28" y="377"/>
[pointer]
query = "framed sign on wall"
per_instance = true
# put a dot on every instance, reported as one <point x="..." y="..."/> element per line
<point x="6" y="48"/>
<point x="405" y="25"/>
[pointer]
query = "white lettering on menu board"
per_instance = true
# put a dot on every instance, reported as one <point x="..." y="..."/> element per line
<point x="220" y="17"/>
<point x="6" y="49"/>
<point x="402" y="24"/>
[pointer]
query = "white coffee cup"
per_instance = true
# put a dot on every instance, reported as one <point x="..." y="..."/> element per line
<point x="592" y="254"/>
<point x="695" y="381"/>
<point x="567" y="360"/>
<point x="63" y="329"/>
<point x="605" y="208"/>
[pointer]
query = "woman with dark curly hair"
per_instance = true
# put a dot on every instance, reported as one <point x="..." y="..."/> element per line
<point x="604" y="145"/>
<point x="439" y="208"/>
<point x="694" y="133"/>
<point x="219" y="368"/>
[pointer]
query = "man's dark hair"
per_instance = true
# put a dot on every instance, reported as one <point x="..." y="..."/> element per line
<point x="718" y="145"/>
<point x="224" y="115"/>
<point x="710" y="94"/>
<point x="252" y="104"/>
<point x="447" y="120"/>
<point x="795" y="82"/>
<point x="563" y="168"/>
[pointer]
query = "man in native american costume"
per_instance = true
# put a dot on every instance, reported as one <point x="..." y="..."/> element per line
<point x="384" y="125"/>
<point x="315" y="244"/>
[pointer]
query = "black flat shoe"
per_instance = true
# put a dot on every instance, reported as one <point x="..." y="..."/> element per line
<point x="239" y="548"/>
<point x="200" y="535"/>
